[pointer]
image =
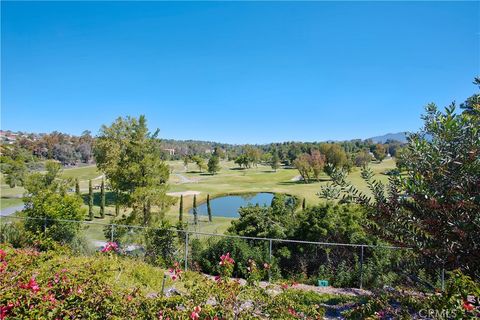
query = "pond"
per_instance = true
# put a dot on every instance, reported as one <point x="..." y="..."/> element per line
<point x="227" y="206"/>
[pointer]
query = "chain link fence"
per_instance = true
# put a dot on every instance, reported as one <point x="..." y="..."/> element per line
<point x="351" y="265"/>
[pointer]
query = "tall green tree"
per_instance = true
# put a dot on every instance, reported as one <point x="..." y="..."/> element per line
<point x="180" y="209"/>
<point x="90" y="200"/>
<point x="213" y="164"/>
<point x="46" y="199"/>
<point x="209" y="209"/>
<point x="117" y="203"/>
<point x="275" y="161"/>
<point x="380" y="152"/>
<point x="102" y="199"/>
<point x="433" y="206"/>
<point x="195" y="213"/>
<point x="14" y="171"/>
<point x="362" y="159"/>
<point x="77" y="187"/>
<point x="131" y="158"/>
<point x="200" y="162"/>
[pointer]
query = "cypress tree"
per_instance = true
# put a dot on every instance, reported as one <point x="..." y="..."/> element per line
<point x="117" y="203"/>
<point x="195" y="215"/>
<point x="304" y="204"/>
<point x="102" y="199"/>
<point x="209" y="209"/>
<point x="77" y="187"/>
<point x="90" y="200"/>
<point x="180" y="210"/>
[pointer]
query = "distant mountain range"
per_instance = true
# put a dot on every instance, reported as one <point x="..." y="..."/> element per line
<point x="400" y="136"/>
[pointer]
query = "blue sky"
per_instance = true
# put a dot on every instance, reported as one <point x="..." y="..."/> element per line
<point x="241" y="72"/>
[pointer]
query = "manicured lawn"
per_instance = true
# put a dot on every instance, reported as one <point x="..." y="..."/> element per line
<point x="229" y="180"/>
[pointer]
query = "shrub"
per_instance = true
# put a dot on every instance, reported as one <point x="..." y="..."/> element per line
<point x="160" y="245"/>
<point x="240" y="251"/>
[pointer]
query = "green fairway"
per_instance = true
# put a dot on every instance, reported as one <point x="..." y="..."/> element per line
<point x="230" y="179"/>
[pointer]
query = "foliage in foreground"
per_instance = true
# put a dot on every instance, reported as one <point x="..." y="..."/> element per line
<point x="54" y="284"/>
<point x="460" y="300"/>
<point x="434" y="204"/>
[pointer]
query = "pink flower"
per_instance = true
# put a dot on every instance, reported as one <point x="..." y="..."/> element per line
<point x="218" y="278"/>
<point x="4" y="310"/>
<point x="49" y="297"/>
<point x="225" y="259"/>
<point x="194" y="315"/>
<point x="197" y="309"/>
<point x="292" y="311"/>
<point x="467" y="305"/>
<point x="129" y="298"/>
<point x="175" y="272"/>
<point x="3" y="254"/>
<point x="110" y="246"/>
<point x="31" y="285"/>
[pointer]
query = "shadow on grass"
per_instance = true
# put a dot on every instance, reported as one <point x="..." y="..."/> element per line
<point x="301" y="182"/>
<point x="109" y="198"/>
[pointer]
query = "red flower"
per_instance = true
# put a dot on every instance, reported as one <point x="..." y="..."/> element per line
<point x="225" y="259"/>
<point x="4" y="310"/>
<point x="3" y="254"/>
<point x="110" y="246"/>
<point x="467" y="305"/>
<point x="195" y="313"/>
<point x="31" y="285"/>
<point x="292" y="311"/>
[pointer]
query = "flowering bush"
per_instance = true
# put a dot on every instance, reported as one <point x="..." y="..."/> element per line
<point x="175" y="271"/>
<point x="110" y="247"/>
<point x="460" y="300"/>
<point x="58" y="285"/>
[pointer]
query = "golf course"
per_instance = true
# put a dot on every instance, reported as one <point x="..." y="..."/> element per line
<point x="188" y="180"/>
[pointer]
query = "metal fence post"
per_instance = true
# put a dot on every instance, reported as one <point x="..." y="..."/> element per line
<point x="45" y="225"/>
<point x="112" y="230"/>
<point x="443" y="279"/>
<point x="361" y="267"/>
<point x="186" y="250"/>
<point x="270" y="260"/>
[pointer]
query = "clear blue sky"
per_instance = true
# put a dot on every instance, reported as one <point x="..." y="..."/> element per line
<point x="249" y="72"/>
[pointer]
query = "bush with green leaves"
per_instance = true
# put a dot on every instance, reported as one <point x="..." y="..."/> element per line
<point x="206" y="255"/>
<point x="160" y="245"/>
<point x="460" y="300"/>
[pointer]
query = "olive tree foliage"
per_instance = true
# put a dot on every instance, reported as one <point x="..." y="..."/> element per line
<point x="213" y="164"/>
<point x="46" y="199"/>
<point x="130" y="157"/>
<point x="14" y="171"/>
<point x="434" y="206"/>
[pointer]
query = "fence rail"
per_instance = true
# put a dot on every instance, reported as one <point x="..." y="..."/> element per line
<point x="189" y="233"/>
